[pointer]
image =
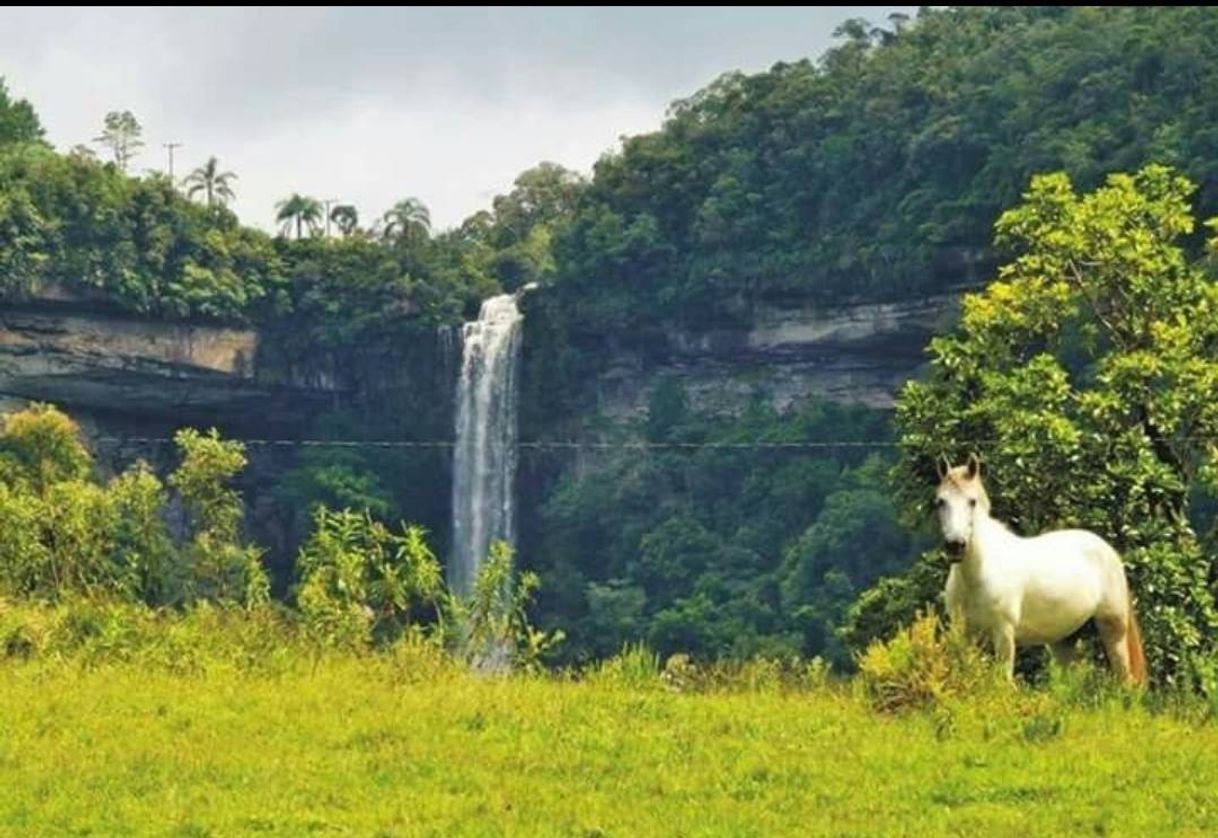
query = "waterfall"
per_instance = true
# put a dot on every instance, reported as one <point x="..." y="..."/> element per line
<point x="484" y="459"/>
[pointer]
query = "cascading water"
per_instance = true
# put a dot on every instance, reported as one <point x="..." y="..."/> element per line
<point x="484" y="459"/>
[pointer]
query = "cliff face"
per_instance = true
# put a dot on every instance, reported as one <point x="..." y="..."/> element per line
<point x="132" y="382"/>
<point x="141" y="373"/>
<point x="150" y="374"/>
<point x="859" y="353"/>
<point x="127" y="379"/>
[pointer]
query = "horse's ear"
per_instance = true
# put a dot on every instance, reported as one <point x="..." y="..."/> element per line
<point x="942" y="465"/>
<point x="974" y="466"/>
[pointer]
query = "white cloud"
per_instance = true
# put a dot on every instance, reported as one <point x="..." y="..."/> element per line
<point x="372" y="105"/>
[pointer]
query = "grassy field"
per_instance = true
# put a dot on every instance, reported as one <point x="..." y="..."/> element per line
<point x="375" y="746"/>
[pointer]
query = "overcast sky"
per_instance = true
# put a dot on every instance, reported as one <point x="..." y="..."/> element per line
<point x="370" y="105"/>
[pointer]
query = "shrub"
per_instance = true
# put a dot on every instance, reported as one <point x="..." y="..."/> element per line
<point x="921" y="665"/>
<point x="491" y="629"/>
<point x="220" y="567"/>
<point x="361" y="581"/>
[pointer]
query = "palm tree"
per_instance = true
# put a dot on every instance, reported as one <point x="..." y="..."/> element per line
<point x="345" y="218"/>
<point x="213" y="183"/>
<point x="408" y="220"/>
<point x="300" y="211"/>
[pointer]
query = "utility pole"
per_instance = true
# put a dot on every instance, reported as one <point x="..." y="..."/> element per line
<point x="171" y="147"/>
<point x="327" y="202"/>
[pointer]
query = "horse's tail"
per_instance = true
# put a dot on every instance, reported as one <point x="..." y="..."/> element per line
<point x="1133" y="639"/>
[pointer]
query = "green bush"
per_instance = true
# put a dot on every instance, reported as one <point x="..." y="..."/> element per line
<point x="490" y="628"/>
<point x="219" y="566"/>
<point x="360" y="581"/>
<point x="1085" y="372"/>
<point x="923" y="665"/>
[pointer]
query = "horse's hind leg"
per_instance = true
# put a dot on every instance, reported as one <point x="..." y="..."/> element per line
<point x="1112" y="632"/>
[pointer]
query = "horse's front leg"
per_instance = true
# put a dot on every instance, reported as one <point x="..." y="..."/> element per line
<point x="1003" y="638"/>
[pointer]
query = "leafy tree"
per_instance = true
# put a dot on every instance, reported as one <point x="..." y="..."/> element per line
<point x="359" y="580"/>
<point x="213" y="183"/>
<point x="122" y="136"/>
<point x="145" y="557"/>
<point x="24" y="555"/>
<point x="545" y="194"/>
<point x="61" y="533"/>
<point x="18" y="122"/>
<point x="222" y="568"/>
<point x="41" y="446"/>
<point x="135" y="241"/>
<point x="1085" y="374"/>
<point x="718" y="551"/>
<point x="855" y="538"/>
<point x="878" y="170"/>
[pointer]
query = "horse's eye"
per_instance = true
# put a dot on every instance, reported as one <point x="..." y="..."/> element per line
<point x="940" y="503"/>
<point x="972" y="502"/>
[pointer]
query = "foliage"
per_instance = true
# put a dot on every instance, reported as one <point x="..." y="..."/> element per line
<point x="360" y="581"/>
<point x="345" y="218"/>
<point x="516" y="235"/>
<point x="878" y="171"/>
<point x="221" y="567"/>
<point x="71" y="223"/>
<point x="18" y="122"/>
<point x="41" y="446"/>
<point x="719" y="551"/>
<point x="407" y="222"/>
<point x="105" y="631"/>
<point x="65" y="535"/>
<point x="1085" y="375"/>
<point x="299" y="212"/>
<point x="212" y="183"/>
<point x="146" y="558"/>
<point x="923" y="665"/>
<point x="122" y="136"/>
<point x="491" y="628"/>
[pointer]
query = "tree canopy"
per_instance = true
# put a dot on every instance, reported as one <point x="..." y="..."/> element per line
<point x="1085" y="375"/>
<point x="879" y="170"/>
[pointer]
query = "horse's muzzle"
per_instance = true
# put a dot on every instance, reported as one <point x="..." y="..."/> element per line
<point x="954" y="550"/>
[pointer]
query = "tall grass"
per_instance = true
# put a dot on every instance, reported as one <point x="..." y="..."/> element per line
<point x="122" y="720"/>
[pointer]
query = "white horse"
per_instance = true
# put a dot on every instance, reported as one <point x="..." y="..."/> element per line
<point x="1031" y="590"/>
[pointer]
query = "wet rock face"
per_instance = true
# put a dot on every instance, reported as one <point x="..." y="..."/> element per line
<point x="860" y="353"/>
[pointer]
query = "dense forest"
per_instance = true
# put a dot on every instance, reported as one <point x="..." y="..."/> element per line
<point x="876" y="171"/>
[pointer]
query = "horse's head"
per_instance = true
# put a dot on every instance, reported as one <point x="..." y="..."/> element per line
<point x="959" y="500"/>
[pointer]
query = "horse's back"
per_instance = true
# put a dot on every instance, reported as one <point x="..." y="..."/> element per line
<point x="1069" y="577"/>
<point x="1072" y="549"/>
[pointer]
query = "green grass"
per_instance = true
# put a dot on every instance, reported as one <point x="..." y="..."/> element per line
<point x="396" y="745"/>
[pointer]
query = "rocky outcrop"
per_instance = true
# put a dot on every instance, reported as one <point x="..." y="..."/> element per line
<point x="857" y="353"/>
<point x="99" y="362"/>
<point x="143" y="372"/>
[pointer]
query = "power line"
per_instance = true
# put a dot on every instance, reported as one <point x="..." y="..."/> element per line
<point x="564" y="445"/>
<point x="528" y="444"/>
